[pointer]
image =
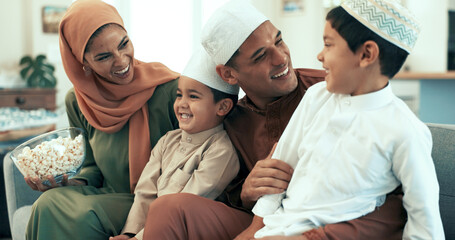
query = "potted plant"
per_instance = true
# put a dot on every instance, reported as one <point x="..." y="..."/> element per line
<point x="38" y="72"/>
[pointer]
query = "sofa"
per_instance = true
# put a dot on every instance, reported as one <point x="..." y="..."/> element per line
<point x="20" y="197"/>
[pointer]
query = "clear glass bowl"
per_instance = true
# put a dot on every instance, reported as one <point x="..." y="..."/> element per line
<point x="54" y="153"/>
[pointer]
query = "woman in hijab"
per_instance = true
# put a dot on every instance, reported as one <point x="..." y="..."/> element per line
<point x="124" y="106"/>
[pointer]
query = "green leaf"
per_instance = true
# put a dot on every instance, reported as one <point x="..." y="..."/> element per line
<point x="48" y="68"/>
<point x="24" y="72"/>
<point x="38" y="72"/>
<point x="26" y="60"/>
<point x="48" y="80"/>
<point x="40" y="58"/>
<point x="33" y="79"/>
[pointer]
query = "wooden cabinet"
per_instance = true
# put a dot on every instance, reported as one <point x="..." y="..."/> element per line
<point x="28" y="98"/>
<point x="24" y="98"/>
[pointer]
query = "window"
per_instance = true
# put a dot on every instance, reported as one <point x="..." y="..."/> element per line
<point x="165" y="31"/>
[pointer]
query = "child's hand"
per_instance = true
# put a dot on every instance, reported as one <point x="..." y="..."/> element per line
<point x="121" y="237"/>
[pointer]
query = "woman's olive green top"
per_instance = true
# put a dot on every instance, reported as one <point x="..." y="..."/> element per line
<point x="99" y="210"/>
<point x="106" y="164"/>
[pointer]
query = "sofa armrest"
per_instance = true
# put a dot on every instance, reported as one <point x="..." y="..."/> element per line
<point x="18" y="193"/>
<point x="443" y="154"/>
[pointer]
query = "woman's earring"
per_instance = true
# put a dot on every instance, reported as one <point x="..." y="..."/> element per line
<point x="87" y="70"/>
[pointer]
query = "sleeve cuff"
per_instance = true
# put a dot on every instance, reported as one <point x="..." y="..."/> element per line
<point x="140" y="235"/>
<point x="267" y="204"/>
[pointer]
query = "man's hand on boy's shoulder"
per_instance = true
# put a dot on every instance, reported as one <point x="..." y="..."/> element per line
<point x="268" y="176"/>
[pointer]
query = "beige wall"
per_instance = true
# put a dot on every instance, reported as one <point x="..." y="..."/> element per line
<point x="12" y="42"/>
<point x="452" y="5"/>
<point x="430" y="51"/>
<point x="24" y="35"/>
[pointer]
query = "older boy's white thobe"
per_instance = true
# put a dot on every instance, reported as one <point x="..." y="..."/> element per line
<point x="348" y="152"/>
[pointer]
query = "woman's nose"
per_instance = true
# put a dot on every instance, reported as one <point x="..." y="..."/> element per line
<point x="121" y="59"/>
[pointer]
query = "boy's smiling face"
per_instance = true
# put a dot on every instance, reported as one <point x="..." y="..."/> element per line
<point x="341" y="64"/>
<point x="195" y="107"/>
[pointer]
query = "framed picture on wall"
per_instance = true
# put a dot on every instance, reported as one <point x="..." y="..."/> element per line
<point x="51" y="16"/>
<point x="292" y="7"/>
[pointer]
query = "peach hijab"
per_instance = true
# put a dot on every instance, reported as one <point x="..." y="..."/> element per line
<point x="107" y="106"/>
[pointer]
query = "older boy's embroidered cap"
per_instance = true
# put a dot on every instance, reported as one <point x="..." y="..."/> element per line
<point x="228" y="28"/>
<point x="202" y="69"/>
<point x="387" y="18"/>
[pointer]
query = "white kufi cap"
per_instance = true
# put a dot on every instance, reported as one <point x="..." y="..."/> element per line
<point x="387" y="18"/>
<point x="228" y="27"/>
<point x="202" y="69"/>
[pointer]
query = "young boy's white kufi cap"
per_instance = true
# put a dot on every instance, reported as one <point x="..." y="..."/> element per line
<point x="202" y="69"/>
<point x="387" y="18"/>
<point x="228" y="27"/>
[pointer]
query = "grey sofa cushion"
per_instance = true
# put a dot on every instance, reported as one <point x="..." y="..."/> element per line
<point x="20" y="220"/>
<point x="444" y="160"/>
<point x="18" y="195"/>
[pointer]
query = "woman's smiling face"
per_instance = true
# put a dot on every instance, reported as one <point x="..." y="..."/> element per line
<point x="111" y="54"/>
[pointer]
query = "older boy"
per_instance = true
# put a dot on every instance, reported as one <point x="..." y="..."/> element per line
<point x="351" y="140"/>
<point x="198" y="157"/>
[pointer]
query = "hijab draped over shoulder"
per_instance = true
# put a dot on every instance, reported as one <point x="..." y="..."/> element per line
<point x="108" y="106"/>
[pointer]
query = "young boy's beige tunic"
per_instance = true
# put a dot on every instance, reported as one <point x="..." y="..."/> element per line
<point x="202" y="163"/>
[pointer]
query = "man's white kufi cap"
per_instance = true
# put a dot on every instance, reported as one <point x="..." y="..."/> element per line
<point x="228" y="27"/>
<point x="387" y="18"/>
<point x="202" y="69"/>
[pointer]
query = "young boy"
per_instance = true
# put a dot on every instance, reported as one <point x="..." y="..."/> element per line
<point x="199" y="157"/>
<point x="351" y="141"/>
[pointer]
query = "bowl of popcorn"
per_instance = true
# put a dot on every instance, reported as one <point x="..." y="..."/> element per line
<point x="54" y="153"/>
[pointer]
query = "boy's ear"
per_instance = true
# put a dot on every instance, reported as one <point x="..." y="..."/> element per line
<point x="224" y="107"/>
<point x="369" y="54"/>
<point x="226" y="73"/>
